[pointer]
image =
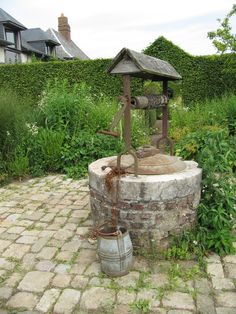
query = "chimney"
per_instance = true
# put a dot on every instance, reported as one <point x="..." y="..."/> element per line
<point x="64" y="27"/>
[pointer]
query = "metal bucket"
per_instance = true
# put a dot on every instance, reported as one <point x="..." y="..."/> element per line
<point x="115" y="250"/>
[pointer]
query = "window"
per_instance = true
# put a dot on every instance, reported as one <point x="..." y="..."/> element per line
<point x="11" y="36"/>
<point x="11" y="56"/>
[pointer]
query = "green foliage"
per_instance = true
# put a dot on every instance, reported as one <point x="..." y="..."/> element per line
<point x="19" y="166"/>
<point x="141" y="306"/>
<point x="61" y="135"/>
<point x="50" y="142"/>
<point x="30" y="79"/>
<point x="215" y="152"/>
<point x="202" y="76"/>
<point x="223" y="39"/>
<point x="13" y="116"/>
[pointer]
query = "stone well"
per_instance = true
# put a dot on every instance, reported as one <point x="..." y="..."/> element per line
<point x="152" y="207"/>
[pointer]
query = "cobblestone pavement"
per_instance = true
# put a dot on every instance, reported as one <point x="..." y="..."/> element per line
<point x="48" y="264"/>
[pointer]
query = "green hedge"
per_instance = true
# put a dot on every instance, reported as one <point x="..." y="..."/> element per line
<point x="30" y="79"/>
<point x="203" y="76"/>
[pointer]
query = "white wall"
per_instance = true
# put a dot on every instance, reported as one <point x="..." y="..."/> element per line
<point x="2" y="55"/>
<point x="25" y="58"/>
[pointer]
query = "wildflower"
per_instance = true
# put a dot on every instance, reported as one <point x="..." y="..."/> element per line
<point x="8" y="133"/>
<point x="33" y="128"/>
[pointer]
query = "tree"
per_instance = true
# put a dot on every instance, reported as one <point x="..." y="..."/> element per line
<point x="223" y="39"/>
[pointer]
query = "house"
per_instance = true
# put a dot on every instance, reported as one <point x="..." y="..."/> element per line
<point x="10" y="39"/>
<point x="67" y="49"/>
<point x="18" y="44"/>
<point x="40" y="41"/>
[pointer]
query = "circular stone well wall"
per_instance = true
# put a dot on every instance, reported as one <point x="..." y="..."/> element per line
<point x="152" y="207"/>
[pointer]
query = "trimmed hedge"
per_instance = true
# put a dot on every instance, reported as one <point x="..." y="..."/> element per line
<point x="30" y="79"/>
<point x="203" y="76"/>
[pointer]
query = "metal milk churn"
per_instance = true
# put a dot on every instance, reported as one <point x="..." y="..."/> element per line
<point x="115" y="250"/>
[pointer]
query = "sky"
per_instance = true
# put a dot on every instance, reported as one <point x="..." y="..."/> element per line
<point x="101" y="28"/>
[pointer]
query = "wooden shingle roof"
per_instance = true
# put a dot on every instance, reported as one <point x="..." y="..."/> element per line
<point x="143" y="66"/>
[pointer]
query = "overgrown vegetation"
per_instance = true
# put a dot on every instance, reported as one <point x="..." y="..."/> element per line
<point x="207" y="134"/>
<point x="60" y="133"/>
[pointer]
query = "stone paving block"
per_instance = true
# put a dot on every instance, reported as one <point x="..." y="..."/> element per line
<point x="23" y="300"/>
<point x="16" y="250"/>
<point x="47" y="253"/>
<point x="202" y="285"/>
<point x="67" y="301"/>
<point x="83" y="231"/>
<point x="70" y="226"/>
<point x="4" y="244"/>
<point x="17" y="230"/>
<point x="39" y="244"/>
<point x="72" y="246"/>
<point x="62" y="269"/>
<point x="205" y="304"/>
<point x="79" y="282"/>
<point x="27" y="240"/>
<point x="213" y="258"/>
<point x="178" y="300"/>
<point x="48" y="217"/>
<point x="61" y="280"/>
<point x="122" y="308"/>
<point x="31" y="233"/>
<point x="81" y="214"/>
<point x="150" y="295"/>
<point x="63" y="234"/>
<point x="223" y="284"/>
<point x="48" y="300"/>
<point x="225" y="310"/>
<point x="5" y="264"/>
<point x="230" y="270"/>
<point x="46" y="233"/>
<point x="13" y="280"/>
<point x="28" y="261"/>
<point x="93" y="269"/>
<point x="179" y="312"/>
<point x="99" y="282"/>
<point x="129" y="280"/>
<point x="45" y="265"/>
<point x="35" y="281"/>
<point x="5" y="293"/>
<point x="125" y="297"/>
<point x="215" y="270"/>
<point x="64" y="256"/>
<point x="158" y="280"/>
<point x="97" y="298"/>
<point x="226" y="299"/>
<point x="230" y="259"/>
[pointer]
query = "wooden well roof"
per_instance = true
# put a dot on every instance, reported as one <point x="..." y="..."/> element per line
<point x="143" y="66"/>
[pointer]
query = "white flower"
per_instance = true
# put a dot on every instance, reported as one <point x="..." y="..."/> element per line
<point x="8" y="133"/>
<point x="33" y="128"/>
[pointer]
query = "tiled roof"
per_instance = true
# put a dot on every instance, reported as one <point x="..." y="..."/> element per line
<point x="37" y="34"/>
<point x="7" y="18"/>
<point x="67" y="49"/>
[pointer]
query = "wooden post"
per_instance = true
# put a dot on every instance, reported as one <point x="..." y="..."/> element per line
<point x="165" y="111"/>
<point x="127" y="113"/>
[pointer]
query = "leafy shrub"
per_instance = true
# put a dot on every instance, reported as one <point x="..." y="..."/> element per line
<point x="215" y="152"/>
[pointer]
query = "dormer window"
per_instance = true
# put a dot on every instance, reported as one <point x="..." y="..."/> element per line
<point x="12" y="37"/>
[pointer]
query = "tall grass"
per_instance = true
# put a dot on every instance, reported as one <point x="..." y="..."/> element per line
<point x="220" y="112"/>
